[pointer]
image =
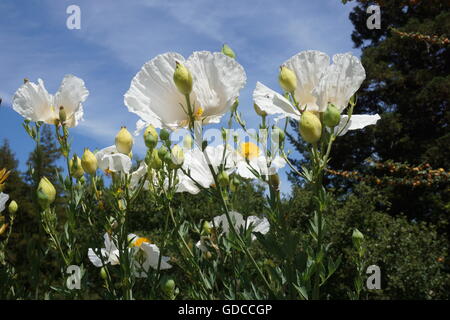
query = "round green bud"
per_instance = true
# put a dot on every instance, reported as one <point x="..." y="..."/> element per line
<point x="89" y="162"/>
<point x="169" y="287"/>
<point x="13" y="207"/>
<point x="206" y="227"/>
<point x="164" y="134"/>
<point x="226" y="50"/>
<point x="124" y="141"/>
<point x="223" y="179"/>
<point x="310" y="127"/>
<point x="155" y="160"/>
<point x="332" y="116"/>
<point x="46" y="193"/>
<point x="182" y="78"/>
<point x="287" y="79"/>
<point x="76" y="169"/>
<point x="164" y="154"/>
<point x="150" y="137"/>
<point x="62" y="115"/>
<point x="103" y="273"/>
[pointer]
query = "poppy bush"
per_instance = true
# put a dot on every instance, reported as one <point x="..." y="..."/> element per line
<point x="189" y="246"/>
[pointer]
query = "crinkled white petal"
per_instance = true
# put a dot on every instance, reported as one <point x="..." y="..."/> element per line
<point x="217" y="80"/>
<point x="357" y="121"/>
<point x="3" y="199"/>
<point x="110" y="159"/>
<point x="308" y="66"/>
<point x="153" y="95"/>
<point x="272" y="102"/>
<point x="221" y="221"/>
<point x="196" y="164"/>
<point x="33" y="102"/>
<point x="152" y="254"/>
<point x="96" y="260"/>
<point x="71" y="94"/>
<point x="340" y="82"/>
<point x="110" y="253"/>
<point x="138" y="175"/>
<point x="259" y="225"/>
<point x="263" y="165"/>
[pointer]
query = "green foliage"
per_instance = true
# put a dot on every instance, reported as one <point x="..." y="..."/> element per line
<point x="412" y="255"/>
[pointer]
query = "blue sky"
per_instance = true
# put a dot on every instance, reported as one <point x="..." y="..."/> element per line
<point x="117" y="37"/>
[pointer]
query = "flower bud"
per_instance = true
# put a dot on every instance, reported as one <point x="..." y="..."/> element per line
<point x="13" y="207"/>
<point x="331" y="116"/>
<point x="62" y="114"/>
<point x="75" y="167"/>
<point x="226" y="50"/>
<point x="183" y="79"/>
<point x="46" y="193"/>
<point x="169" y="287"/>
<point x="278" y="135"/>
<point x="164" y="154"/>
<point x="274" y="181"/>
<point x="164" y="134"/>
<point x="188" y="142"/>
<point x="258" y="111"/>
<point x="357" y="237"/>
<point x="155" y="161"/>
<point x="150" y="137"/>
<point x="223" y="179"/>
<point x="177" y="156"/>
<point x="206" y="227"/>
<point x="103" y="273"/>
<point x="89" y="162"/>
<point x="124" y="141"/>
<point x="310" y="127"/>
<point x="287" y="79"/>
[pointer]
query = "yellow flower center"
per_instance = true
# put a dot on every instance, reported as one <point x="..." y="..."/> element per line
<point x="249" y="150"/>
<point x="139" y="241"/>
<point x="198" y="113"/>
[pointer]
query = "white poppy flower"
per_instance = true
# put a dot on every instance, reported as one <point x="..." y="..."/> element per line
<point x="33" y="102"/>
<point x="109" y="253"/>
<point x="250" y="157"/>
<point x="109" y="159"/>
<point x="196" y="164"/>
<point x="3" y="199"/>
<point x="318" y="84"/>
<point x="258" y="224"/>
<point x="154" y="97"/>
<point x="146" y="255"/>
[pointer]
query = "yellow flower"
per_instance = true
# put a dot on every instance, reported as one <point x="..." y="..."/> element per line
<point x="249" y="150"/>
<point x="139" y="241"/>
